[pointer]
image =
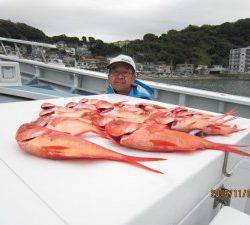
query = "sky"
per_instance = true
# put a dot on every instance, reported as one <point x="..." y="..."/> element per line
<point x="113" y="20"/>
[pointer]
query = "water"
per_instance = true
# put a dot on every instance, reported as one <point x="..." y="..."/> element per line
<point x="233" y="87"/>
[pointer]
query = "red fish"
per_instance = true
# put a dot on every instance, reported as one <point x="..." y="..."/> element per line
<point x="46" y="143"/>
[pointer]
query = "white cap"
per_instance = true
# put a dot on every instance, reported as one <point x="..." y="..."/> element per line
<point x="122" y="58"/>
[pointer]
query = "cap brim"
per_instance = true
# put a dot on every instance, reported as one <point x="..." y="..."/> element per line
<point x="114" y="63"/>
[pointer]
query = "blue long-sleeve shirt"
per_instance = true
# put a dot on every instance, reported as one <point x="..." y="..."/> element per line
<point x="138" y="90"/>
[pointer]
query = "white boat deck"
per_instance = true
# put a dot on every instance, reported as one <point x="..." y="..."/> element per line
<point x="100" y="192"/>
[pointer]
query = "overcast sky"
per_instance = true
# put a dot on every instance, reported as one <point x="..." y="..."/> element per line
<point x="112" y="20"/>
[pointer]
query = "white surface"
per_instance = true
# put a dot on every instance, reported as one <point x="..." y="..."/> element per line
<point x="107" y="192"/>
<point x="203" y="212"/>
<point x="19" y="205"/>
<point x="230" y="216"/>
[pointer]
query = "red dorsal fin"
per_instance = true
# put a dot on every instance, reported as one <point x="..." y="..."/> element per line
<point x="162" y="143"/>
<point x="55" y="147"/>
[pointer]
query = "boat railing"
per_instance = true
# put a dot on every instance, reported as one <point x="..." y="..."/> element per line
<point x="93" y="82"/>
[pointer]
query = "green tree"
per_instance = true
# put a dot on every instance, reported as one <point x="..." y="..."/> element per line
<point x="84" y="39"/>
<point x="150" y="37"/>
<point x="91" y="40"/>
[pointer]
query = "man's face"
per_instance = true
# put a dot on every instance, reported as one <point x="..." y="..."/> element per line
<point x="121" y="77"/>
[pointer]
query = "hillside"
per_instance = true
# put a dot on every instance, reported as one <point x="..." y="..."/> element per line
<point x="207" y="44"/>
<point x="21" y="31"/>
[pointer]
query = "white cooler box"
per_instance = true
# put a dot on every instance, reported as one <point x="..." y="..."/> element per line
<point x="104" y="192"/>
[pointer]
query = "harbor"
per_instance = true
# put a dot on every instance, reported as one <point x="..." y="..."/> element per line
<point x="234" y="86"/>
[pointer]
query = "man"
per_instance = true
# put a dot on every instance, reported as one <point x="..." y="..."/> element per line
<point x="122" y="79"/>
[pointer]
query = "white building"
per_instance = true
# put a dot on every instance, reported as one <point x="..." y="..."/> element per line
<point x="70" y="51"/>
<point x="239" y="60"/>
<point x="186" y="69"/>
<point x="217" y="69"/>
<point x="61" y="44"/>
<point x="83" y="51"/>
<point x="139" y="67"/>
<point x="202" y="70"/>
<point x="121" y="43"/>
<point x="163" y="68"/>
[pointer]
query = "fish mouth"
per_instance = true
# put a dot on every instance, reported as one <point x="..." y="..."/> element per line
<point x="26" y="140"/>
<point x="47" y="112"/>
<point x="105" y="110"/>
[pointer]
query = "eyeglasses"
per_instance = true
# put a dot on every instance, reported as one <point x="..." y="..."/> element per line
<point x="119" y="74"/>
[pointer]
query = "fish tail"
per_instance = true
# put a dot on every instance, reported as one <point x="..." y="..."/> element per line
<point x="226" y="121"/>
<point x="236" y="145"/>
<point x="134" y="162"/>
<point x="230" y="148"/>
<point x="146" y="159"/>
<point x="231" y="112"/>
<point x="237" y="129"/>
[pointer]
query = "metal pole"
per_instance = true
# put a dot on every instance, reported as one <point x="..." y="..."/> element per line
<point x="18" y="51"/>
<point x="4" y="49"/>
<point x="43" y="56"/>
<point x="224" y="168"/>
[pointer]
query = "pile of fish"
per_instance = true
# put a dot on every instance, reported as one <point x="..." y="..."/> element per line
<point x="58" y="132"/>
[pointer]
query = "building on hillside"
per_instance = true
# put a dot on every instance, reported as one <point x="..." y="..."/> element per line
<point x="70" y="51"/>
<point x="139" y="67"/>
<point x="61" y="44"/>
<point x="163" y="68"/>
<point x="239" y="60"/>
<point x="121" y="43"/>
<point x="9" y="49"/>
<point x="69" y="61"/>
<point x="217" y="69"/>
<point x="83" y="51"/>
<point x="184" y="69"/>
<point x="202" y="70"/>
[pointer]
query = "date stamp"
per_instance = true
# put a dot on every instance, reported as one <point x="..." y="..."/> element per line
<point x="225" y="193"/>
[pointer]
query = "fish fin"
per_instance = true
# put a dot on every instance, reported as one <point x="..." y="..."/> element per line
<point x="137" y="164"/>
<point x="227" y="120"/>
<point x="229" y="148"/>
<point x="238" y="145"/>
<point x="54" y="152"/>
<point x="230" y="112"/>
<point x="146" y="159"/>
<point x="55" y="147"/>
<point x="236" y="129"/>
<point x="242" y="129"/>
<point x="162" y="143"/>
